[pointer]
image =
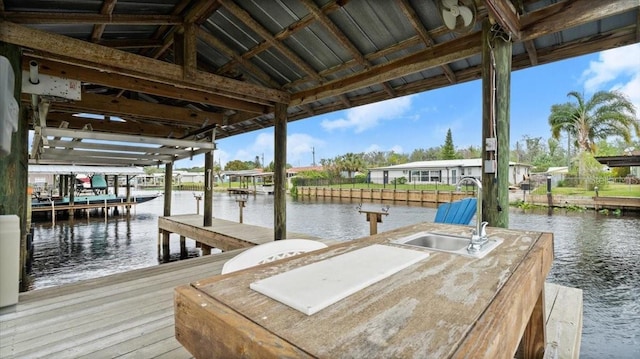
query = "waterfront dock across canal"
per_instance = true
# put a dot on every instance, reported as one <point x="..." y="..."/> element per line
<point x="222" y="234"/>
<point x="131" y="315"/>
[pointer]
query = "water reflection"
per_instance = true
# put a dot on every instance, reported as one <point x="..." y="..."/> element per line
<point x="597" y="253"/>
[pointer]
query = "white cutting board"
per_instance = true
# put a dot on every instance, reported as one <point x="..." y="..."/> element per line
<point x="315" y="286"/>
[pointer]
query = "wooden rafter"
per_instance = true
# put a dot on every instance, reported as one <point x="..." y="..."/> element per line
<point x="504" y="13"/>
<point x="342" y="38"/>
<point x="115" y="61"/>
<point x="246" y="18"/>
<point x="530" y="47"/>
<point x="153" y="129"/>
<point x="570" y="13"/>
<point x="235" y="57"/>
<point x="122" y="107"/>
<point x="457" y="49"/>
<point x="107" y="9"/>
<point x="140" y="85"/>
<point x="87" y="18"/>
<point x="424" y="34"/>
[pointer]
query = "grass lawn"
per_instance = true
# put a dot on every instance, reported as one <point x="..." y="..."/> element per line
<point x="612" y="190"/>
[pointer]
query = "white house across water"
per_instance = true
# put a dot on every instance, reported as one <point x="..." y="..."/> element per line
<point x="442" y="171"/>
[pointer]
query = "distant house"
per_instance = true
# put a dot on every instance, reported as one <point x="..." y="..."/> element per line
<point x="442" y="171"/>
<point x="557" y="174"/>
<point x="293" y="171"/>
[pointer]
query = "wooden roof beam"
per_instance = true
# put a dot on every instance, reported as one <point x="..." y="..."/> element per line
<point x="83" y="74"/>
<point x="122" y="107"/>
<point x="342" y="39"/>
<point x="542" y="22"/>
<point x="107" y="9"/>
<point x="235" y="57"/>
<point x="570" y="13"/>
<point x="87" y="18"/>
<point x="422" y="32"/>
<point x="454" y="50"/>
<point x="101" y="58"/>
<point x="531" y="51"/>
<point x="287" y="32"/>
<point x="504" y="13"/>
<point x="155" y="129"/>
<point x="246" y="18"/>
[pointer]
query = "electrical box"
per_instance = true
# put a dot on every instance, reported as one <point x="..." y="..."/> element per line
<point x="8" y="106"/>
<point x="490" y="166"/>
<point x="490" y="144"/>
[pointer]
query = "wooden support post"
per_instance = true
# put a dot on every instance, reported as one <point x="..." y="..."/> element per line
<point x="208" y="189"/>
<point x="241" y="204"/>
<point x="13" y="182"/>
<point x="128" y="194"/>
<point x="280" y="172"/>
<point x="115" y="192"/>
<point x="533" y="342"/>
<point x="72" y="192"/>
<point x="496" y="82"/>
<point x="168" y="188"/>
<point x="374" y="217"/>
<point x="183" y="247"/>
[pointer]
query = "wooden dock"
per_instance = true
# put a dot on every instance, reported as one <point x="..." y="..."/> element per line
<point x="237" y="190"/>
<point x="224" y="235"/>
<point x="131" y="315"/>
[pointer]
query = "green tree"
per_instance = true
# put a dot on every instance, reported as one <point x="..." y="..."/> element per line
<point x="351" y="163"/>
<point x="330" y="166"/>
<point x="469" y="152"/>
<point x="605" y="114"/>
<point x="237" y="165"/>
<point x="374" y="159"/>
<point x="448" y="150"/>
<point x="394" y="158"/>
<point x="429" y="154"/>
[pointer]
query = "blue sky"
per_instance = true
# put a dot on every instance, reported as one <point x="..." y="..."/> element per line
<point x="422" y="120"/>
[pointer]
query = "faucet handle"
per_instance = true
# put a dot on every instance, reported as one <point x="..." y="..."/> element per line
<point x="483" y="226"/>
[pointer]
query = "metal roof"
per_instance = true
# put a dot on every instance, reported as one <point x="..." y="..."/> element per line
<point x="620" y="161"/>
<point x="227" y="63"/>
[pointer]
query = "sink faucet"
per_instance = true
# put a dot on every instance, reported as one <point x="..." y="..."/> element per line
<point x="479" y="236"/>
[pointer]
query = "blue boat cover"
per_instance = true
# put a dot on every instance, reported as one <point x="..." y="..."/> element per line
<point x="459" y="212"/>
<point x="98" y="182"/>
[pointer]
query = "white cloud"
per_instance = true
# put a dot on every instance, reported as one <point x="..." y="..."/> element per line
<point x="368" y="116"/>
<point x="616" y="69"/>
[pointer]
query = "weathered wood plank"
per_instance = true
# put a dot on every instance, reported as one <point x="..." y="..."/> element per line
<point x="564" y="320"/>
<point x="121" y="62"/>
<point x="222" y="234"/>
<point x="200" y="317"/>
<point x="432" y="307"/>
<point x="104" y="315"/>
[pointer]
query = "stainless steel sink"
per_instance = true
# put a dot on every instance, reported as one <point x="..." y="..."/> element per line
<point x="446" y="243"/>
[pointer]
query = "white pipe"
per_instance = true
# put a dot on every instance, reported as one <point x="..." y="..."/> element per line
<point x="33" y="72"/>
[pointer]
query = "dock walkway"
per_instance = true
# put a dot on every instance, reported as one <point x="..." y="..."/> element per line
<point x="222" y="234"/>
<point x="131" y="315"/>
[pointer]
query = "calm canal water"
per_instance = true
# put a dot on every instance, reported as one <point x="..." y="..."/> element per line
<point x="599" y="254"/>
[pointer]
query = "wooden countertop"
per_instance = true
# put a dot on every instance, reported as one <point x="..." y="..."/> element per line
<point x="444" y="306"/>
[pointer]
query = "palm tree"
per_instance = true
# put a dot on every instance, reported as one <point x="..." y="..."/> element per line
<point x="607" y="113"/>
<point x="351" y="163"/>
